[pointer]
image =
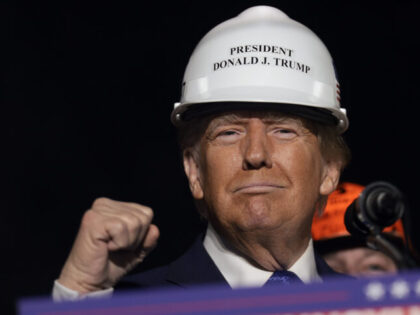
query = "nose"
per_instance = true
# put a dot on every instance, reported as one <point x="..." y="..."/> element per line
<point x="257" y="148"/>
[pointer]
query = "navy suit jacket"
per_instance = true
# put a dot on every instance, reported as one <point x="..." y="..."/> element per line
<point x="194" y="267"/>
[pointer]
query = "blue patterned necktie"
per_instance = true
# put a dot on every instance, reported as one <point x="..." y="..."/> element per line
<point x="282" y="277"/>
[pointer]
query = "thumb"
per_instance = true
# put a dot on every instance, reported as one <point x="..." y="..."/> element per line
<point x="149" y="241"/>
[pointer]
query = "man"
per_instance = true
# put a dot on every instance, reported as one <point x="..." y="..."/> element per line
<point x="344" y="252"/>
<point x="259" y="125"/>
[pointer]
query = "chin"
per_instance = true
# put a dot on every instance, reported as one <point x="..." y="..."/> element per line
<point x="257" y="215"/>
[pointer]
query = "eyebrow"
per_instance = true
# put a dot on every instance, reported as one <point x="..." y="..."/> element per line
<point x="373" y="253"/>
<point x="238" y="119"/>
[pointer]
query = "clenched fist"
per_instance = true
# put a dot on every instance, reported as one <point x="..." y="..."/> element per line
<point x="114" y="237"/>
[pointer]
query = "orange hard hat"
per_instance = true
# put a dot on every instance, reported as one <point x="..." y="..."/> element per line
<point x="331" y="225"/>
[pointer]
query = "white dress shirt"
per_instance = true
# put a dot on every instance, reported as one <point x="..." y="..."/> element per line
<point x="239" y="273"/>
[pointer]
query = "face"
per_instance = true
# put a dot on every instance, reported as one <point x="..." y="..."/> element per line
<point x="259" y="172"/>
<point x="361" y="261"/>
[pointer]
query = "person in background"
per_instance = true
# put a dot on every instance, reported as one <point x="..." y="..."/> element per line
<point x="344" y="252"/>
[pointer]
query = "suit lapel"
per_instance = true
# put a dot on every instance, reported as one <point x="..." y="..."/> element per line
<point x="195" y="267"/>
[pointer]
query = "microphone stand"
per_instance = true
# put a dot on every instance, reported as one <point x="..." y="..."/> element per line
<point x="380" y="243"/>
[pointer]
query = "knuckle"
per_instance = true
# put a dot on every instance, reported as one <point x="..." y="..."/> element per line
<point x="148" y="212"/>
<point x="138" y="225"/>
<point x="99" y="202"/>
<point x="88" y="218"/>
<point x="118" y="226"/>
<point x="134" y="223"/>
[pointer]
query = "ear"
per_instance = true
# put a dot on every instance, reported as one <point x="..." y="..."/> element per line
<point x="193" y="174"/>
<point x="330" y="179"/>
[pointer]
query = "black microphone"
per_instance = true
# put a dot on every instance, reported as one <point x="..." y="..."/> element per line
<point x="379" y="205"/>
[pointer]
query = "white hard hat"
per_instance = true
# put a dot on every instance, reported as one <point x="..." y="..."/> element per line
<point x="261" y="59"/>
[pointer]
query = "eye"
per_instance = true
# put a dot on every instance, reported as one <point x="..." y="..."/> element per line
<point x="227" y="135"/>
<point x="284" y="133"/>
<point x="375" y="267"/>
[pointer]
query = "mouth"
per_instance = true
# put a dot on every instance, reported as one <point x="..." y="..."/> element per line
<point x="257" y="188"/>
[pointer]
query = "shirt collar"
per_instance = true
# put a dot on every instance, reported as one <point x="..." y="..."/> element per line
<point x="238" y="272"/>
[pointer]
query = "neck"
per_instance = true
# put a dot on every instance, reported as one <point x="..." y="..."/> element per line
<point x="267" y="249"/>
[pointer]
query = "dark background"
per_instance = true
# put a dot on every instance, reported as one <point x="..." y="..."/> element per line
<point x="86" y="93"/>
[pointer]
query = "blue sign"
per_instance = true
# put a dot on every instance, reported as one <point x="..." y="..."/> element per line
<point x="369" y="296"/>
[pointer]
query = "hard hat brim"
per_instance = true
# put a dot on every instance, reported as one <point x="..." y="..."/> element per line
<point x="199" y="110"/>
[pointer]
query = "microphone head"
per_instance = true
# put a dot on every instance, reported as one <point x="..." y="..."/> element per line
<point x="383" y="203"/>
<point x="379" y="205"/>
